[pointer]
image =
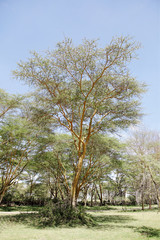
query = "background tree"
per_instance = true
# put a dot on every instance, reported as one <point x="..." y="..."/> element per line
<point x="85" y="90"/>
<point x="102" y="157"/>
<point x="144" y="152"/>
<point x="15" y="148"/>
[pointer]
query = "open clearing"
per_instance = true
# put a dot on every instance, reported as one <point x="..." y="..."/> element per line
<point x="113" y="224"/>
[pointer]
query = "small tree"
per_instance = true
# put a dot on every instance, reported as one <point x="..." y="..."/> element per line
<point x="85" y="90"/>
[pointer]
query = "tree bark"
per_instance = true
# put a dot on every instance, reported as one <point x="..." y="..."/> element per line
<point x="150" y="203"/>
<point x="142" y="198"/>
<point x="75" y="190"/>
<point x="156" y="187"/>
<point x="101" y="194"/>
<point x="2" y="193"/>
<point x="75" y="184"/>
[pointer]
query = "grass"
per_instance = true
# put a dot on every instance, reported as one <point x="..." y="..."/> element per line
<point x="113" y="224"/>
<point x="19" y="208"/>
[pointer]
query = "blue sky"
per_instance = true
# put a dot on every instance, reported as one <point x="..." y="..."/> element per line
<point x="27" y="25"/>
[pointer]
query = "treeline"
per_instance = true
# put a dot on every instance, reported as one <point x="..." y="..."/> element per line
<point x="37" y="164"/>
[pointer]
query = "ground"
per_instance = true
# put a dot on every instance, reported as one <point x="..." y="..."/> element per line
<point x="112" y="224"/>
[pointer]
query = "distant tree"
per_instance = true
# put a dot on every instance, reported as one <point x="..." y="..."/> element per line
<point x="144" y="157"/>
<point x="15" y="146"/>
<point x="85" y="90"/>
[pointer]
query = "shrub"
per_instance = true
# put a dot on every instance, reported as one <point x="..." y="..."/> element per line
<point x="61" y="213"/>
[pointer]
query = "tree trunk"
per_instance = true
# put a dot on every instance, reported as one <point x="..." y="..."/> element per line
<point x="150" y="203"/>
<point x="101" y="194"/>
<point x="92" y="193"/>
<point x="142" y="190"/>
<point x="31" y="188"/>
<point x="150" y="194"/>
<point x="156" y="187"/>
<point x="2" y="193"/>
<point x="137" y="197"/>
<point x="158" y="204"/>
<point x="85" y="201"/>
<point x="108" y="196"/>
<point x="75" y="190"/>
<point x="61" y="193"/>
<point x="142" y="199"/>
<point x="73" y="198"/>
<point x="95" y="198"/>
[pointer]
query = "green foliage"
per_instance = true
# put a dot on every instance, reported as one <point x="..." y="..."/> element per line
<point x="9" y="103"/>
<point x="15" y="139"/>
<point x="61" y="213"/>
<point x="68" y="76"/>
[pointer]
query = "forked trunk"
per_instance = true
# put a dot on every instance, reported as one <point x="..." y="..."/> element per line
<point x="75" y="190"/>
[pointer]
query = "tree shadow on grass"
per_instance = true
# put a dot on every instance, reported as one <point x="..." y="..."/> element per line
<point x="7" y="209"/>
<point x="148" y="231"/>
<point x="30" y="219"/>
<point x="19" y="208"/>
<point x="111" y="221"/>
<point x="99" y="208"/>
<point x="38" y="221"/>
<point x="138" y="210"/>
<point x="101" y="222"/>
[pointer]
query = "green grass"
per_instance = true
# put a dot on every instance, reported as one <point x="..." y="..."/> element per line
<point x="113" y="224"/>
<point x="19" y="208"/>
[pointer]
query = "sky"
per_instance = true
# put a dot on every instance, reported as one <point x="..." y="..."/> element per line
<point x="27" y="25"/>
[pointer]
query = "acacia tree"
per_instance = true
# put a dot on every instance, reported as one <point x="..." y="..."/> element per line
<point x="15" y="147"/>
<point x="144" y="151"/>
<point x="85" y="90"/>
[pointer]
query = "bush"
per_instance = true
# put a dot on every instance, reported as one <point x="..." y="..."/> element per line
<point x="60" y="213"/>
